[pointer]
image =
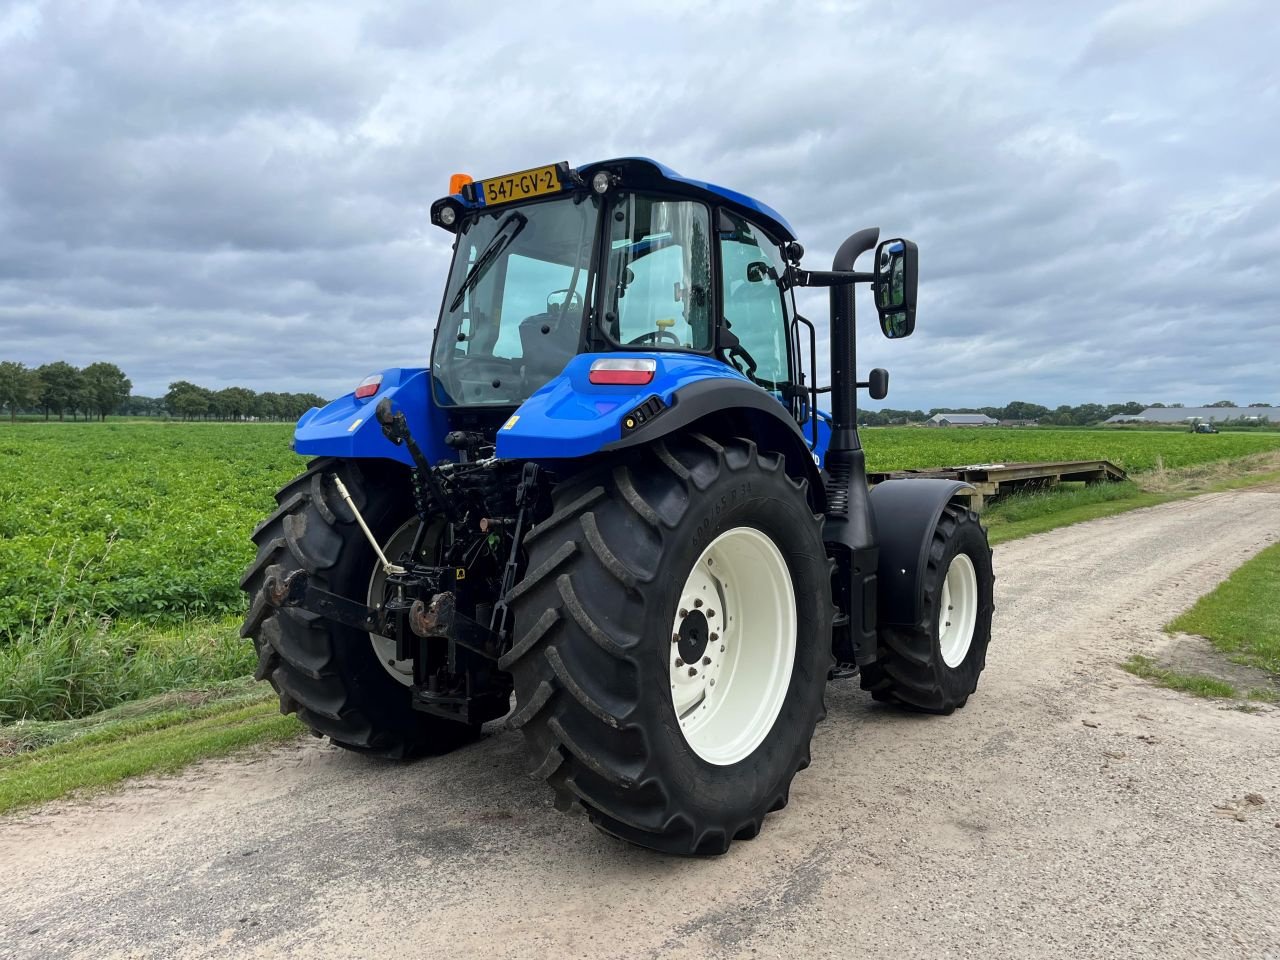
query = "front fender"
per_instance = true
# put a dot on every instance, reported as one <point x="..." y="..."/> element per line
<point x="572" y="417"/>
<point x="348" y="429"/>
<point x="906" y="512"/>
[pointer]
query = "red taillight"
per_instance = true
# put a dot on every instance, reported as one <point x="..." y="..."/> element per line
<point x="368" y="386"/>
<point x="622" y="370"/>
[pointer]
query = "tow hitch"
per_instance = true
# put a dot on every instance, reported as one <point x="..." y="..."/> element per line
<point x="403" y="617"/>
<point x="448" y="649"/>
<point x="454" y="658"/>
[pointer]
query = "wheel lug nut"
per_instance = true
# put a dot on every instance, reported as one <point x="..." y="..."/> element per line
<point x="697" y="603"/>
<point x="675" y="638"/>
<point x="714" y="637"/>
<point x="679" y="662"/>
<point x="693" y="671"/>
<point x="683" y="612"/>
<point x="706" y="661"/>
<point x="710" y="613"/>
<point x="722" y="648"/>
<point x="713" y="682"/>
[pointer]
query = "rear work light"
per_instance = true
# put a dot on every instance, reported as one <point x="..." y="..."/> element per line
<point x="622" y="370"/>
<point x="368" y="386"/>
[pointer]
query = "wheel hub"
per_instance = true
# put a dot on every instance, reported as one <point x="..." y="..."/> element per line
<point x="694" y="633"/>
<point x="733" y="642"/>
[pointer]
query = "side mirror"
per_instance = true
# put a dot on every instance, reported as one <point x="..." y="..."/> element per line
<point x="897" y="265"/>
<point x="878" y="383"/>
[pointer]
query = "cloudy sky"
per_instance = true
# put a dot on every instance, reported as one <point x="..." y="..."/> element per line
<point x="238" y="193"/>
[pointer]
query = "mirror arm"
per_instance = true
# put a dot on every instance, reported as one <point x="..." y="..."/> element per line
<point x="831" y="278"/>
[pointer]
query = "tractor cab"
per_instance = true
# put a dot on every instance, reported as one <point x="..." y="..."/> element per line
<point x="618" y="256"/>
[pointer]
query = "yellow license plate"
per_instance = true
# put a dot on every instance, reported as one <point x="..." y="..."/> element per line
<point x="520" y="186"/>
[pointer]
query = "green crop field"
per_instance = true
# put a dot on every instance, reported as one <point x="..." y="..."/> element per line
<point x="122" y="545"/>
<point x="151" y="521"/>
<point x="895" y="448"/>
<point x="143" y="521"/>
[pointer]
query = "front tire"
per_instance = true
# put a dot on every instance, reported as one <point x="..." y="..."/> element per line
<point x="329" y="674"/>
<point x="934" y="667"/>
<point x="609" y="605"/>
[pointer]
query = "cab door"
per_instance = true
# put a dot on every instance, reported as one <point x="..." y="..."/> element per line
<point x="754" y="304"/>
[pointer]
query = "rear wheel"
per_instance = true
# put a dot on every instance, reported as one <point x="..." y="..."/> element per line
<point x="672" y="642"/>
<point x="341" y="682"/>
<point x="935" y="666"/>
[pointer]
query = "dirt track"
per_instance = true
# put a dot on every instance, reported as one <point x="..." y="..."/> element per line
<point x="1068" y="810"/>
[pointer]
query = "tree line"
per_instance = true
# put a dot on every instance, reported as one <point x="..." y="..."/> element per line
<point x="91" y="392"/>
<point x="193" y="402"/>
<point x="100" y="389"/>
<point x="1082" y="415"/>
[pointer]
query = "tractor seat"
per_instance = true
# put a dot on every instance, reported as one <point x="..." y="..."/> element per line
<point x="547" y="342"/>
<point x="753" y="304"/>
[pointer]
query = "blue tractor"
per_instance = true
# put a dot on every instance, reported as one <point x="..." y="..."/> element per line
<point x="613" y="512"/>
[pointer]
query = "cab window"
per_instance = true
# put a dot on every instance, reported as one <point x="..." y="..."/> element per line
<point x="533" y="288"/>
<point x="658" y="283"/>
<point x="754" y="306"/>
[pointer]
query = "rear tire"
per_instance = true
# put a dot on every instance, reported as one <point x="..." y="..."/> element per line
<point x="327" y="673"/>
<point x="935" y="666"/>
<point x="595" y="648"/>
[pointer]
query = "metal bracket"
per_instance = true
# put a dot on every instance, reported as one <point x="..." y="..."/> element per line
<point x="296" y="590"/>
<point x="441" y="619"/>
<point x="526" y="494"/>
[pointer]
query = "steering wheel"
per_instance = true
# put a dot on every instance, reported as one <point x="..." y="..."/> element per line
<point x="653" y="337"/>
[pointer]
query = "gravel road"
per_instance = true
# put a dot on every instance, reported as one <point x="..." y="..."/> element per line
<point x="1068" y="810"/>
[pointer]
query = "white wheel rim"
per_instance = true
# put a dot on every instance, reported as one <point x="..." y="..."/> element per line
<point x="958" y="611"/>
<point x="739" y="592"/>
<point x="384" y="648"/>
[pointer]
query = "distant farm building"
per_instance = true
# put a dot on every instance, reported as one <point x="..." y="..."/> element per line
<point x="961" y="420"/>
<point x="1187" y="414"/>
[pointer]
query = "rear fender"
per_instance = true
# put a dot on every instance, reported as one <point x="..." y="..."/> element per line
<point x="571" y="417"/>
<point x="906" y="512"/>
<point x="348" y="429"/>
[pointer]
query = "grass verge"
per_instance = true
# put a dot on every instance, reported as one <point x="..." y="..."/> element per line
<point x="1022" y="515"/>
<point x="78" y="665"/>
<point x="97" y="754"/>
<point x="1025" y="514"/>
<point x="1196" y="684"/>
<point x="1242" y="616"/>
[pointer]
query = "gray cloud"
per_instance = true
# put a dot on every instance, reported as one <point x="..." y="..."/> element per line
<point x="238" y="193"/>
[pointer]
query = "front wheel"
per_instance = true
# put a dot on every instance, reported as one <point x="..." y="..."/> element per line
<point x="934" y="666"/>
<point x="672" y="642"/>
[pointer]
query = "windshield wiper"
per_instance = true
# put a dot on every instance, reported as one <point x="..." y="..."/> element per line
<point x="490" y="253"/>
